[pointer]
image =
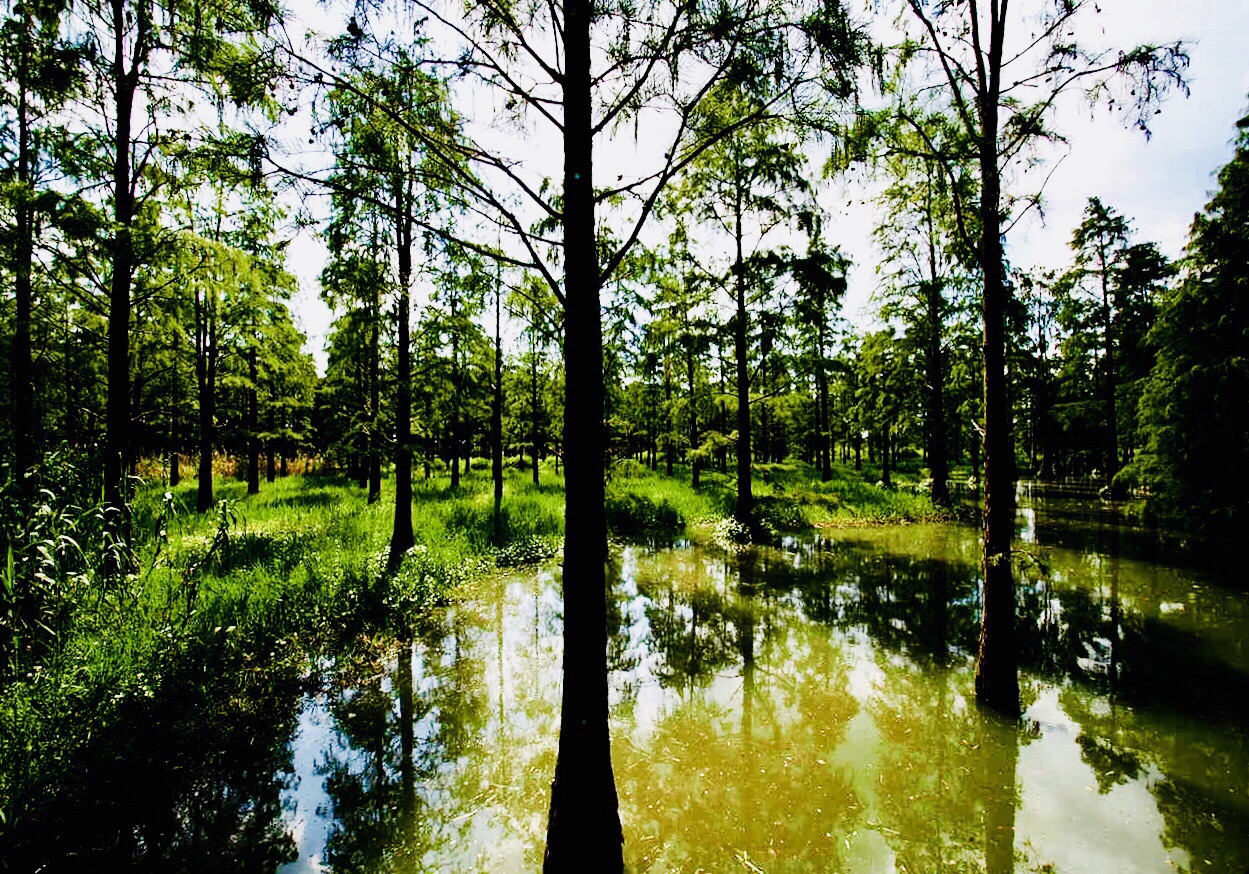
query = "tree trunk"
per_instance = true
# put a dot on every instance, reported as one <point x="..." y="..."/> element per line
<point x="825" y="447"/>
<point x="744" y="511"/>
<point x="496" y="414"/>
<point x="884" y="459"/>
<point x="456" y="396"/>
<point x="117" y="410"/>
<point x="206" y="386"/>
<point x="583" y="830"/>
<point x="375" y="400"/>
<point x="938" y="463"/>
<point x="695" y="437"/>
<point x="401" y="538"/>
<point x="997" y="679"/>
<point x="253" y="424"/>
<point x="534" y="409"/>
<point x="21" y="370"/>
<point x="1112" y="414"/>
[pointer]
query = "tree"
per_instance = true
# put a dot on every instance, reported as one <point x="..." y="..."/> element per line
<point x="925" y="276"/>
<point x="746" y="187"/>
<point x="1195" y="460"/>
<point x="821" y="277"/>
<point x="538" y="58"/>
<point x="1097" y="242"/>
<point x="1001" y="102"/>
<point x="45" y="71"/>
<point x="146" y="62"/>
<point x="396" y="156"/>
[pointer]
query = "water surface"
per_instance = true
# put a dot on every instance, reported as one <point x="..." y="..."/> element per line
<point x="807" y="707"/>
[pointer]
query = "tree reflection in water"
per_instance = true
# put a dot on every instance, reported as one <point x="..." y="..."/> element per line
<point x="809" y="708"/>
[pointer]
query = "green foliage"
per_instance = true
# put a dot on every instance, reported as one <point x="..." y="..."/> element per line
<point x="1195" y="463"/>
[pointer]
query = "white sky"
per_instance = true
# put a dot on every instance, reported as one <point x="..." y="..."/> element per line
<point x="1158" y="185"/>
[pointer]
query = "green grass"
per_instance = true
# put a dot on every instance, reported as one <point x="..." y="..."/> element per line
<point x="258" y="585"/>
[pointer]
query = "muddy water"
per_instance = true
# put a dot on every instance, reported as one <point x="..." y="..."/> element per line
<point x="807" y="708"/>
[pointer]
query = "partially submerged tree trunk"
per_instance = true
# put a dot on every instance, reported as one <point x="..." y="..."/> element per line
<point x="997" y="676"/>
<point x="583" y="830"/>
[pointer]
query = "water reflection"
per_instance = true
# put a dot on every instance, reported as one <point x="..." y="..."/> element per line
<point x="808" y="708"/>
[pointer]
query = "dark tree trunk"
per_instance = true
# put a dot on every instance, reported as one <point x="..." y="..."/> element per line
<point x="938" y="463"/>
<point x="402" y="539"/>
<point x="744" y="511"/>
<point x="884" y="459"/>
<point x="1108" y="389"/>
<point x="670" y="443"/>
<point x="457" y="394"/>
<point x="496" y="414"/>
<point x="21" y="370"/>
<point x="117" y="409"/>
<point x="375" y="400"/>
<point x="583" y="830"/>
<point x="271" y="464"/>
<point x="535" y="409"/>
<point x="825" y="447"/>
<point x="997" y="678"/>
<point x="206" y="386"/>
<point x="695" y="437"/>
<point x="253" y="424"/>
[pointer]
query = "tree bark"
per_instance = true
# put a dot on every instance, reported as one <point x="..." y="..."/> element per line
<point x="402" y="538"/>
<point x="583" y="829"/>
<point x="206" y="387"/>
<point x="117" y="407"/>
<point x="1112" y="414"/>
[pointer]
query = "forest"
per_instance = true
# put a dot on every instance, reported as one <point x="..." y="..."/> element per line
<point x="595" y="530"/>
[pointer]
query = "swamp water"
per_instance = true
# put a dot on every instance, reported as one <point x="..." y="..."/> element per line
<point x="804" y="707"/>
<point x="807" y="708"/>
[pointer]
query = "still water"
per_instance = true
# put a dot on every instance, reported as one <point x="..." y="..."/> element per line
<point x="807" y="708"/>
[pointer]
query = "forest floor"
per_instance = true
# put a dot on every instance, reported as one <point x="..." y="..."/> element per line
<point x="252" y="592"/>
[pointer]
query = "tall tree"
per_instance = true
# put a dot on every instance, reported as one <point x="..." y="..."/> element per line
<point x="1098" y="240"/>
<point x="1195" y="461"/>
<point x="539" y="57"/>
<point x="148" y="58"/>
<point x="1002" y="98"/>
<point x="43" y="70"/>
<point x="746" y="187"/>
